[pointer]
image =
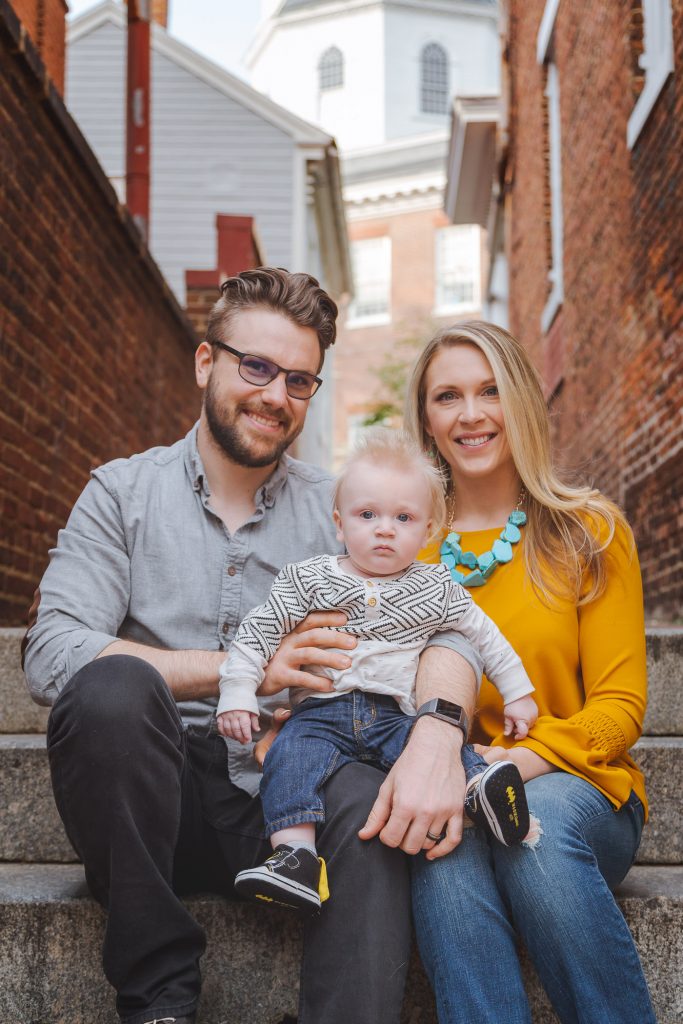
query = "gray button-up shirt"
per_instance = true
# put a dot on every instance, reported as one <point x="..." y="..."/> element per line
<point x="144" y="558"/>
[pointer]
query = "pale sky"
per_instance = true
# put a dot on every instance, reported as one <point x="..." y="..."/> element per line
<point x="219" y="29"/>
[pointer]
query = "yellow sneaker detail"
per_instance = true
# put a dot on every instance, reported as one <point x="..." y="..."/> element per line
<point x="323" y="888"/>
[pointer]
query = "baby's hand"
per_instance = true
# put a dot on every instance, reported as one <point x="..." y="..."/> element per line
<point x="237" y="725"/>
<point x="520" y="715"/>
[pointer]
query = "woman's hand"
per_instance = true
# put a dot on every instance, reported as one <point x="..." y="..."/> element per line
<point x="313" y="642"/>
<point x="531" y="765"/>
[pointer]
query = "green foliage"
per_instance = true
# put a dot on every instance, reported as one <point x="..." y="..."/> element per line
<point x="393" y="376"/>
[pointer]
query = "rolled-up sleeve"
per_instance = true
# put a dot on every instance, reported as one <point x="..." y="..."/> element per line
<point x="84" y="594"/>
<point x="456" y="642"/>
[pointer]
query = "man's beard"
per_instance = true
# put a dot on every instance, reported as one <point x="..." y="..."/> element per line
<point x="225" y="432"/>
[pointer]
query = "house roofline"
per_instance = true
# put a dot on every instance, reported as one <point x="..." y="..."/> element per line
<point x="301" y="132"/>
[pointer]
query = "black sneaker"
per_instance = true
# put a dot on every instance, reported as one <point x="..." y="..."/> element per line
<point x="288" y="878"/>
<point x="497" y="802"/>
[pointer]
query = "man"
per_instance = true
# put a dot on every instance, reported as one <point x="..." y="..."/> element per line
<point x="162" y="556"/>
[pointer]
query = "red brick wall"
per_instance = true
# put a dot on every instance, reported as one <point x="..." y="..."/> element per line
<point x="616" y="346"/>
<point x="95" y="355"/>
<point x="44" y="20"/>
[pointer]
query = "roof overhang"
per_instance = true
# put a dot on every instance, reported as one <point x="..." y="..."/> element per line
<point x="330" y="216"/>
<point x="471" y="158"/>
<point x="300" y="131"/>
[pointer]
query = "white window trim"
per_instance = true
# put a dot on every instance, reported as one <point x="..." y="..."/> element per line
<point x="452" y="308"/>
<point x="382" y="317"/>
<point x="556" y="272"/>
<point x="656" y="60"/>
<point x="377" y="320"/>
<point x="546" y="29"/>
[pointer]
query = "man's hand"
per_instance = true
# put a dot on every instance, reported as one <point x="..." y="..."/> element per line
<point x="313" y="642"/>
<point x="237" y="725"/>
<point x="424" y="792"/>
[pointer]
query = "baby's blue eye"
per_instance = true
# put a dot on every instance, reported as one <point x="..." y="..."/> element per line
<point x="403" y="517"/>
<point x="367" y="514"/>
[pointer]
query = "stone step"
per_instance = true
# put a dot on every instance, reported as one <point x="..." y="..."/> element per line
<point x="664" y="716"/>
<point x="30" y="829"/>
<point x="18" y="713"/>
<point x="51" y="936"/>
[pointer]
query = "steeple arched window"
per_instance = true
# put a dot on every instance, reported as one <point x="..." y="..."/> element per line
<point x="331" y="69"/>
<point x="434" y="79"/>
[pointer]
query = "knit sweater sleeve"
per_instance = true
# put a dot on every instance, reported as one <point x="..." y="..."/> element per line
<point x="612" y="673"/>
<point x="259" y="636"/>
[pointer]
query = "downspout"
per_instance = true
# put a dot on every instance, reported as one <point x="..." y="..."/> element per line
<point x="137" y="115"/>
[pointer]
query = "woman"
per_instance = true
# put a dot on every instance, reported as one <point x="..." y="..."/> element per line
<point x="562" y="582"/>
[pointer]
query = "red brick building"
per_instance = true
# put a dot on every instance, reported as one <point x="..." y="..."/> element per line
<point x="96" y="356"/>
<point x="587" y="212"/>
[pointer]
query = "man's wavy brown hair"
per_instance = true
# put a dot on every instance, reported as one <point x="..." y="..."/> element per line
<point x="299" y="297"/>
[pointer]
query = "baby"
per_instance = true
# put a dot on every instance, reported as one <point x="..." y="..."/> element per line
<point x="388" y="502"/>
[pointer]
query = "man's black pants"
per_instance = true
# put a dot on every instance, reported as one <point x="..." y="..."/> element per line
<point x="151" y="813"/>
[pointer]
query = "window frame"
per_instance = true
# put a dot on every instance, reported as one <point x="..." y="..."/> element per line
<point x="331" y="63"/>
<point x="545" y="57"/>
<point x="656" y="60"/>
<point x="431" y="88"/>
<point x="359" y="319"/>
<point x="444" y="308"/>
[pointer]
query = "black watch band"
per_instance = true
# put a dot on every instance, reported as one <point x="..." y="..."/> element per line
<point x="446" y="711"/>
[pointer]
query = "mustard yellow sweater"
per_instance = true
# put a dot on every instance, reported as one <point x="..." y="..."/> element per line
<point x="587" y="664"/>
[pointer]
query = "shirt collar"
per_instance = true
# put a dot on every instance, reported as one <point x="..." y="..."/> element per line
<point x="267" y="492"/>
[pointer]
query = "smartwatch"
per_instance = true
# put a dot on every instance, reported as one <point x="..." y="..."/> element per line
<point x="446" y="711"/>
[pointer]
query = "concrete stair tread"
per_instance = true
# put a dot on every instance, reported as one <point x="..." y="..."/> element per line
<point x="51" y="933"/>
<point x="49" y="883"/>
<point x="664" y="716"/>
<point x="30" y="829"/>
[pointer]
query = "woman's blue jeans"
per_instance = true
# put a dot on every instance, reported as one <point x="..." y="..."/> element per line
<point x="469" y="906"/>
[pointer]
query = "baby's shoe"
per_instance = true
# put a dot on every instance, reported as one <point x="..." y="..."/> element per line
<point x="293" y="878"/>
<point x="496" y="800"/>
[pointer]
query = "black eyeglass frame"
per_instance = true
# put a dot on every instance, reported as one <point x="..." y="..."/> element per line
<point x="316" y="381"/>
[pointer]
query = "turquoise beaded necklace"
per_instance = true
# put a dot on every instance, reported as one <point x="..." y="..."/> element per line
<point x="483" y="566"/>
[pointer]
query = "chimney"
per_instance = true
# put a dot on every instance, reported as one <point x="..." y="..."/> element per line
<point x="137" y="115"/>
<point x="160" y="12"/>
<point x="44" y="20"/>
<point x="238" y="249"/>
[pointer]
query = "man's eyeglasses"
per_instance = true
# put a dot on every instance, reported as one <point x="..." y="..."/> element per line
<point x="260" y="371"/>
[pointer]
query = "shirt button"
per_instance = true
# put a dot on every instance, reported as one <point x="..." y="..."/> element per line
<point x="372" y="601"/>
<point x="232" y="570"/>
<point x="225" y="628"/>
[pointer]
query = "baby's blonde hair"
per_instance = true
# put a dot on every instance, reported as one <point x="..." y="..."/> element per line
<point x="396" y="447"/>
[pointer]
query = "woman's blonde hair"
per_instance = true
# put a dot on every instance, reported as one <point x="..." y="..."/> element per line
<point x="569" y="528"/>
<point x="397" y="448"/>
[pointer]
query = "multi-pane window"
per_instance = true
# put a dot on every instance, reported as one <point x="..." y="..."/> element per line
<point x="331" y="69"/>
<point x="434" y="85"/>
<point x="371" y="260"/>
<point x="458" y="268"/>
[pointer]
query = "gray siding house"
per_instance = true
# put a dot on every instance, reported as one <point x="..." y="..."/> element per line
<point x="218" y="146"/>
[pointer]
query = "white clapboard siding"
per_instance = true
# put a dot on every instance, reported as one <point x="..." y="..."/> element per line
<point x="95" y="85"/>
<point x="210" y="154"/>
